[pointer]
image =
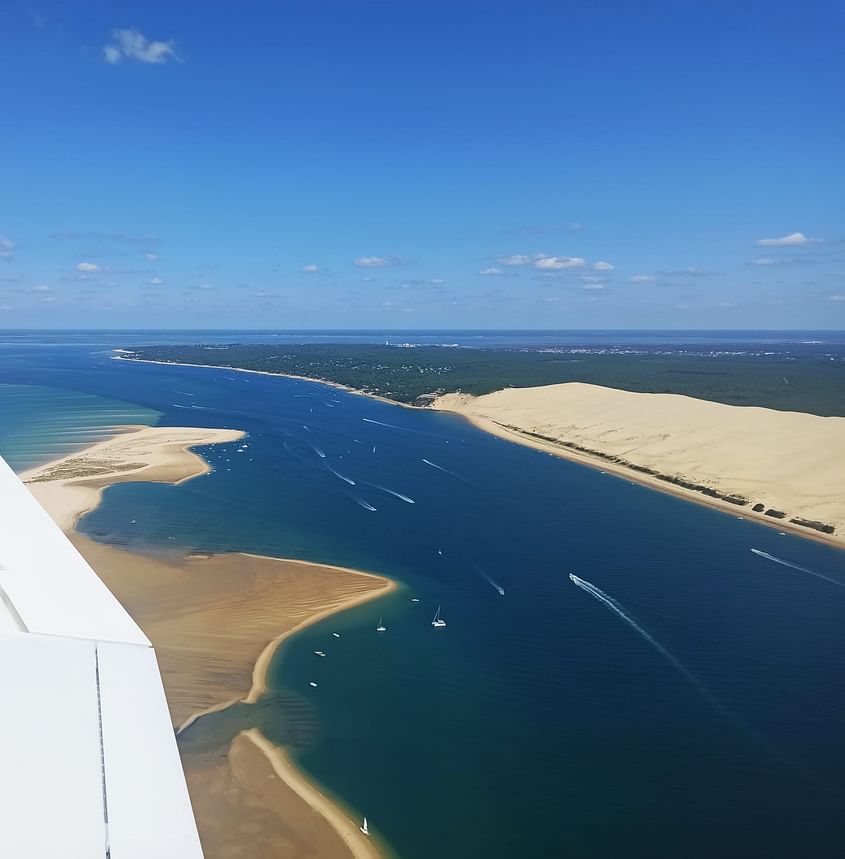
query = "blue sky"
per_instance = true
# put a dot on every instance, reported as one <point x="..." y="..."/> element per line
<point x="422" y="164"/>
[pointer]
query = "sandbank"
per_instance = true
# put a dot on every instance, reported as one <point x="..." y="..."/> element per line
<point x="215" y="622"/>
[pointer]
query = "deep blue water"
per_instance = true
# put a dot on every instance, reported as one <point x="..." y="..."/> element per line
<point x="541" y="723"/>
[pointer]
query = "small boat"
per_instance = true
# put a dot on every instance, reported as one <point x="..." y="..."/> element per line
<point x="414" y="599"/>
<point x="438" y="621"/>
<point x="381" y="627"/>
<point x="364" y="828"/>
<point x="336" y="634"/>
<point x="312" y="683"/>
<point x="319" y="653"/>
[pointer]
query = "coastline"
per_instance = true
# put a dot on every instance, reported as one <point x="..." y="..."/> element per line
<point x="664" y="473"/>
<point x="328" y="382"/>
<point x="215" y="622"/>
<point x="455" y="403"/>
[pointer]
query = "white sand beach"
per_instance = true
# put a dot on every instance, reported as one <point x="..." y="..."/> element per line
<point x="215" y="622"/>
<point x="786" y="463"/>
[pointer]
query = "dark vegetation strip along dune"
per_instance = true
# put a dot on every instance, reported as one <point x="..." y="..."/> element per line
<point x="806" y="381"/>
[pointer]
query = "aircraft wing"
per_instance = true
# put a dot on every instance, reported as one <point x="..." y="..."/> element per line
<point x="89" y="766"/>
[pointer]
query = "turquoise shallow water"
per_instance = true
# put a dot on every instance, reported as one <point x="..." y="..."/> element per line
<point x="40" y="423"/>
<point x="698" y="713"/>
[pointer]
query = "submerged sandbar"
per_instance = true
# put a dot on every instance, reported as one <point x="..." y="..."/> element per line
<point x="215" y="622"/>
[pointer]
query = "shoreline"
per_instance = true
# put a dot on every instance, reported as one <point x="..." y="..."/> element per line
<point x="184" y="624"/>
<point x="590" y="459"/>
<point x="729" y="458"/>
<point x="328" y="382"/>
<point x="74" y="495"/>
<point x="288" y="771"/>
<point x="625" y="473"/>
<point x="262" y="664"/>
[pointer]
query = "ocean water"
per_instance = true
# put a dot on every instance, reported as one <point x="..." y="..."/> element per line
<point x="688" y="702"/>
<point x="40" y="423"/>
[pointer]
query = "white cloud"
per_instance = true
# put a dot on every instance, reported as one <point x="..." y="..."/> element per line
<point x="372" y="262"/>
<point x="151" y="256"/>
<point x="514" y="259"/>
<point x="309" y="269"/>
<point x="689" y="271"/>
<point x="87" y="266"/>
<point x="133" y="45"/>
<point x="155" y="281"/>
<point x="41" y="288"/>
<point x="769" y="261"/>
<point x="7" y="248"/>
<point x="837" y="297"/>
<point x="430" y="283"/>
<point x="558" y="263"/>
<point x="643" y="278"/>
<point x="493" y="270"/>
<point x="603" y="266"/>
<point x="593" y="285"/>
<point x="793" y="240"/>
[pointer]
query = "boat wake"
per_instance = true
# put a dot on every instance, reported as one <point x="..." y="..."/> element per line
<point x="445" y="470"/>
<point x="398" y="495"/>
<point x="317" y="451"/>
<point x="383" y="424"/>
<point x="781" y="561"/>
<point x="349" y="480"/>
<point x="487" y="578"/>
<point x="498" y="587"/>
<point x="362" y="503"/>
<point x="670" y="657"/>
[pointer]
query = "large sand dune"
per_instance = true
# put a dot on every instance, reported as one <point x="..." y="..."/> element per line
<point x="788" y="462"/>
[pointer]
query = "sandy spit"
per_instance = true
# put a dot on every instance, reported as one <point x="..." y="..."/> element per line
<point x="215" y="622"/>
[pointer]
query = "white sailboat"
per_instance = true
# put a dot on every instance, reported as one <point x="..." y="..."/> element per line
<point x="438" y="621"/>
<point x="364" y="828"/>
<point x="381" y="627"/>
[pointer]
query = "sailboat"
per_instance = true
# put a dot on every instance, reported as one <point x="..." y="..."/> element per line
<point x="364" y="828"/>
<point x="438" y="621"/>
<point x="381" y="627"/>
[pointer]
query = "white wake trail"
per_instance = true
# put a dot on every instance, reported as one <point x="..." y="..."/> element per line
<point x="349" y="480"/>
<point x="670" y="657"/>
<point x="383" y="424"/>
<point x="446" y="470"/>
<point x="363" y="503"/>
<point x="769" y="557"/>
<point x="498" y="587"/>
<point x="398" y="495"/>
